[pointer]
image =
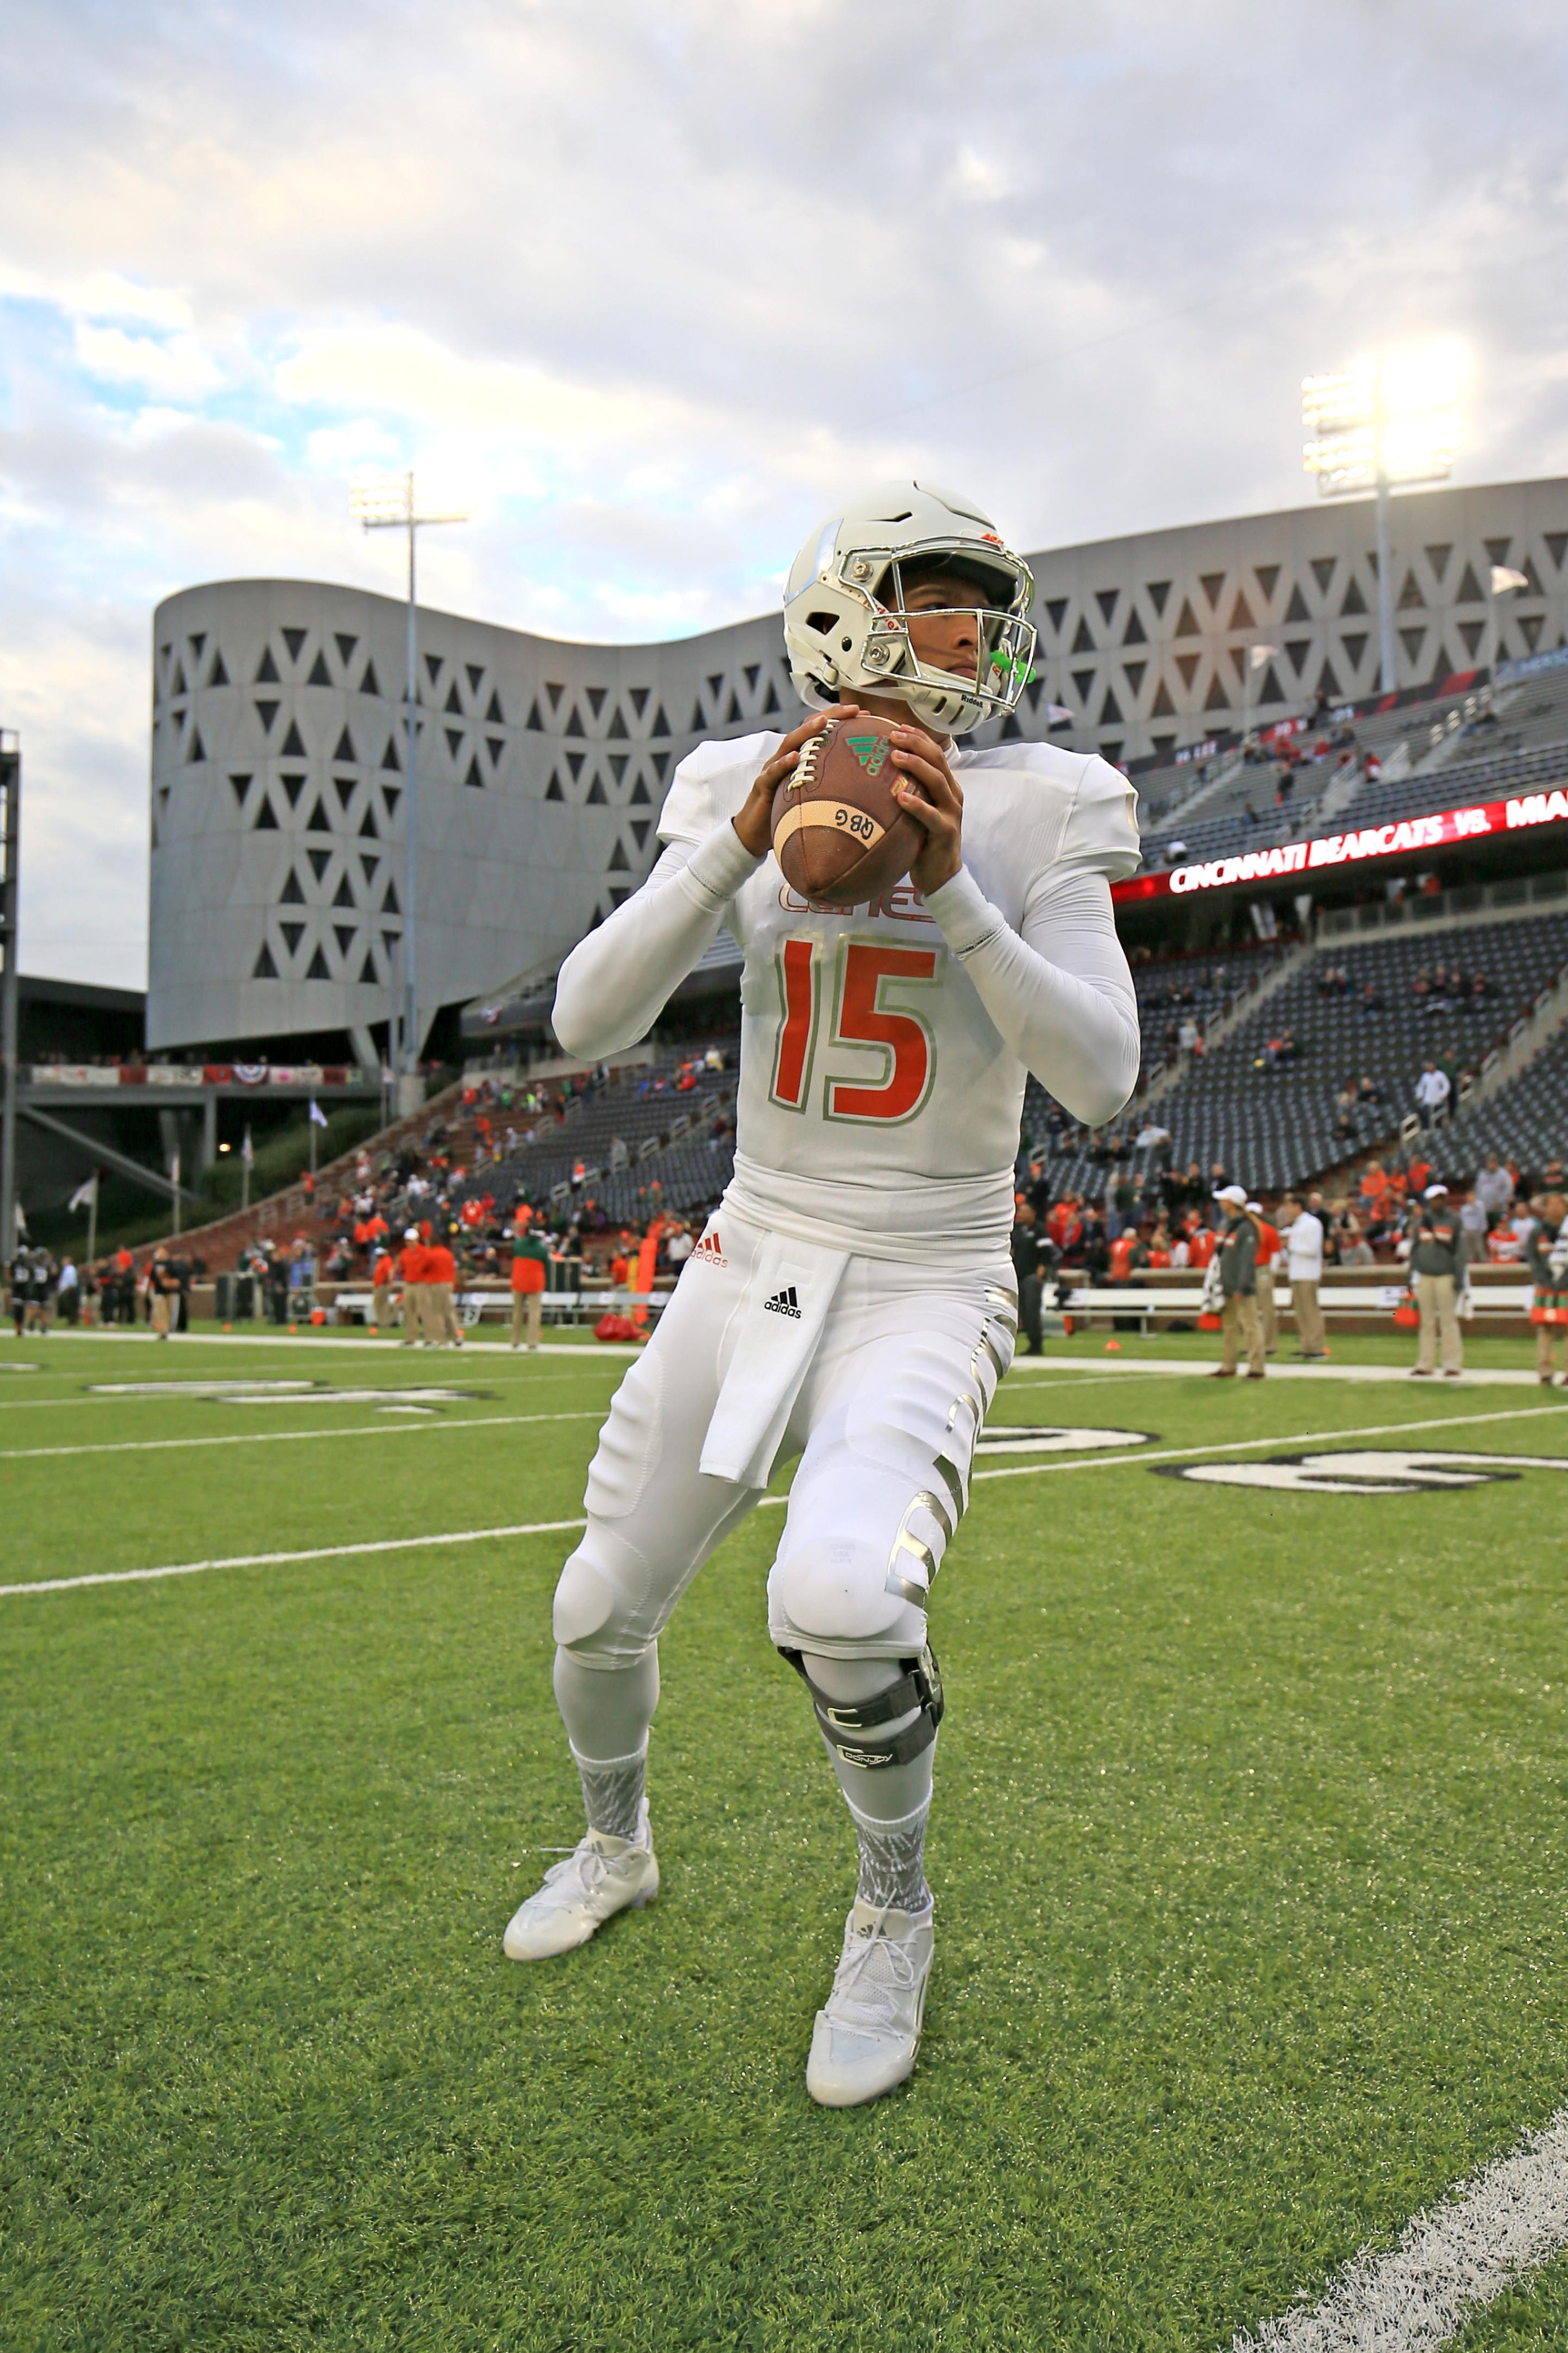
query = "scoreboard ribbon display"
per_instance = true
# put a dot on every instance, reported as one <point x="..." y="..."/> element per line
<point x="1368" y="841"/>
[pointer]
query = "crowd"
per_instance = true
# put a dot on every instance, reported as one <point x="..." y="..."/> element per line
<point x="1397" y="1215"/>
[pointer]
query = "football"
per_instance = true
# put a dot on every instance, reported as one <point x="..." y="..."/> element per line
<point x="838" y="834"/>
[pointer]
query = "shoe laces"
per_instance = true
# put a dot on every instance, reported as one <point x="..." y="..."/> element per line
<point x="580" y="1872"/>
<point x="874" y="1971"/>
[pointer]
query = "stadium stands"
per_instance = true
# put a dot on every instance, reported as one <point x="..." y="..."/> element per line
<point x="1441" y="755"/>
<point x="1525" y="1121"/>
<point x="1267" y="1101"/>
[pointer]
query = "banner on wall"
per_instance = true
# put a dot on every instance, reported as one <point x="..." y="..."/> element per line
<point x="1362" y="843"/>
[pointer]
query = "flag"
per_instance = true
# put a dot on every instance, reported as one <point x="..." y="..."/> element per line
<point x="1056" y="712"/>
<point x="174" y="1170"/>
<point x="86" y="1196"/>
<point x="317" y="1116"/>
<point x="247" y="1150"/>
<point x="1260" y="654"/>
<point x="1504" y="577"/>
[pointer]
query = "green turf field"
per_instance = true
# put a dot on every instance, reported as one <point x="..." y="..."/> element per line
<point x="1249" y="1850"/>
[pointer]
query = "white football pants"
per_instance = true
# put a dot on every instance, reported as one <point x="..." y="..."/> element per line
<point x="885" y="1423"/>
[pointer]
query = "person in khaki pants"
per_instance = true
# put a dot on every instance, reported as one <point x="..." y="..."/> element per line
<point x="1267" y="1257"/>
<point x="1439" y="1251"/>
<point x="442" y="1329"/>
<point x="1237" y="1256"/>
<point x="1303" y="1241"/>
<point x="1546" y="1258"/>
<point x="383" y="1274"/>
<point x="530" y="1257"/>
<point x="411" y="1267"/>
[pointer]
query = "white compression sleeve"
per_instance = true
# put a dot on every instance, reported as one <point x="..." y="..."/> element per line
<point x="1059" y="993"/>
<point x="615" y="983"/>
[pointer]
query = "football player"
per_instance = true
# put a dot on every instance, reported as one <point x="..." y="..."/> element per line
<point x="852" y="1300"/>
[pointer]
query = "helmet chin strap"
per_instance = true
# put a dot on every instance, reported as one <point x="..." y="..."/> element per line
<point x="892" y="706"/>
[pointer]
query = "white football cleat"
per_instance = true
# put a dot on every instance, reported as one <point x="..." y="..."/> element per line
<point x="601" y="1876"/>
<point x="868" y="2037"/>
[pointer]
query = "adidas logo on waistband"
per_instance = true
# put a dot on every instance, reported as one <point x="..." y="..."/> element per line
<point x="709" y="1251"/>
<point x="783" y="1302"/>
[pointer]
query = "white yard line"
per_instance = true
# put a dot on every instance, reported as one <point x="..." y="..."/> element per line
<point x="139" y="1338"/>
<point x="282" y="1559"/>
<point x="1506" y="2221"/>
<point x="275" y="1437"/>
<point x="765" y="1503"/>
<point x="1199" y="1367"/>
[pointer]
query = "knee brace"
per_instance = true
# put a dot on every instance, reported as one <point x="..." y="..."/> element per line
<point x="846" y="1723"/>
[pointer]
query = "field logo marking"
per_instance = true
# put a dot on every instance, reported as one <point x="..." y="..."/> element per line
<point x="1506" y="2221"/>
<point x="1376" y="1471"/>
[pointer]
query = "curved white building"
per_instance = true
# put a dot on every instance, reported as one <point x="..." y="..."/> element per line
<point x="279" y="797"/>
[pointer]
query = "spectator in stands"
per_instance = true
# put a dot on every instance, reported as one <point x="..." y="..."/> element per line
<point x="1238" y="1285"/>
<point x="1437" y="1261"/>
<point x="1432" y="1090"/>
<point x="1494" y="1189"/>
<point x="1354" y="1248"/>
<point x="1160" y="1244"/>
<point x="1371" y="999"/>
<point x="1303" y="1241"/>
<point x="1546" y="1258"/>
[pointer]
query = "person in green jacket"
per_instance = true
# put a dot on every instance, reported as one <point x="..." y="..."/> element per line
<point x="530" y="1257"/>
<point x="1546" y="1257"/>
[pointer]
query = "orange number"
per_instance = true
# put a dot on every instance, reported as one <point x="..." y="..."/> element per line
<point x="863" y="1021"/>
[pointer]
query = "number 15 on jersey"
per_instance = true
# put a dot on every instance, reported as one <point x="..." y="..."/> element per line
<point x="863" y="970"/>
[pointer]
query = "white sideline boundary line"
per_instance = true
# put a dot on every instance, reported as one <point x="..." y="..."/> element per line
<point x="1480" y="1377"/>
<point x="275" y="1437"/>
<point x="764" y="1503"/>
<point x="1507" y="2220"/>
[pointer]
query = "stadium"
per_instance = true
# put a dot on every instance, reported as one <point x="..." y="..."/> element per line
<point x="1228" y="1487"/>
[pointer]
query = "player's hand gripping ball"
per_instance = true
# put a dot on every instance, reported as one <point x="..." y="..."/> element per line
<point x="838" y="833"/>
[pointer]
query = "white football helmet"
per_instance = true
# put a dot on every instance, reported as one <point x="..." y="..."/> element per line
<point x="845" y="624"/>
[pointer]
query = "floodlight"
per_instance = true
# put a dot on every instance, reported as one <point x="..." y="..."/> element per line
<point x="383" y="502"/>
<point x="1394" y="419"/>
<point x="1377" y="423"/>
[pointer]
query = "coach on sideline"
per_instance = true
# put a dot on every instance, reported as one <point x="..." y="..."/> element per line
<point x="1438" y="1255"/>
<point x="411" y="1270"/>
<point x="1237" y="1256"/>
<point x="1304" y="1266"/>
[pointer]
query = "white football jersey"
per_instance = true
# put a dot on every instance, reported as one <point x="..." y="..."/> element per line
<point x="879" y="1104"/>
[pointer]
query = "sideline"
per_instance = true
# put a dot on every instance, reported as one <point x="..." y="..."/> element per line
<point x="1497" y="1376"/>
<point x="764" y="1503"/>
<point x="1506" y="2220"/>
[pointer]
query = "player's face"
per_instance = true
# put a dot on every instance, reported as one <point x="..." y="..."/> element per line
<point x="943" y="629"/>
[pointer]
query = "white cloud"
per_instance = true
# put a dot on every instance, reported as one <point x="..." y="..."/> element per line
<point x="648" y="289"/>
<point x="175" y="367"/>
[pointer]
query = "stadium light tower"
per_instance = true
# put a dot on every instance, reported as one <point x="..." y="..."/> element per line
<point x="1378" y="425"/>
<point x="389" y="502"/>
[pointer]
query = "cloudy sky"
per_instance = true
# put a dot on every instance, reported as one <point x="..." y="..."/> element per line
<point x="648" y="288"/>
